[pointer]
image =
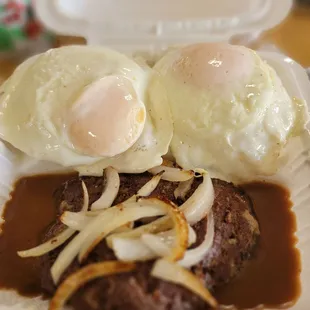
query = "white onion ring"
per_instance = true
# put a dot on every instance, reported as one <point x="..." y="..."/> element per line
<point x="110" y="191"/>
<point x="173" y="174"/>
<point x="174" y="273"/>
<point x="97" y="229"/>
<point x="196" y="255"/>
<point x="197" y="207"/>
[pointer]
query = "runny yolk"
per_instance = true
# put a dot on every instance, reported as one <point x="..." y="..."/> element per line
<point x="107" y="118"/>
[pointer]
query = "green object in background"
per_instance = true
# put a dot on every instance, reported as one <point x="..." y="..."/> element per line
<point x="6" y="40"/>
<point x="21" y="34"/>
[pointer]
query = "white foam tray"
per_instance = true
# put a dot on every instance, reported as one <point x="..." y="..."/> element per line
<point x="295" y="175"/>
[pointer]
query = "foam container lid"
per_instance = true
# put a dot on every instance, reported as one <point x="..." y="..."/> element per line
<point x="148" y="25"/>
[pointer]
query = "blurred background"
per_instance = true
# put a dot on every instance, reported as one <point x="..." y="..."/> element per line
<point x="21" y="35"/>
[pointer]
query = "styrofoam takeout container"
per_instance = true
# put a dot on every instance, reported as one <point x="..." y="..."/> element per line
<point x="152" y="26"/>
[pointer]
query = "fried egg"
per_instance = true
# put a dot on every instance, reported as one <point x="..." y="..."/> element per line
<point x="87" y="108"/>
<point x="230" y="111"/>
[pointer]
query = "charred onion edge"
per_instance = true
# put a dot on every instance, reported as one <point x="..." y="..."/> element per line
<point x="194" y="256"/>
<point x="172" y="174"/>
<point x="174" y="273"/>
<point x="106" y="222"/>
<point x="110" y="190"/>
<point x="76" y="280"/>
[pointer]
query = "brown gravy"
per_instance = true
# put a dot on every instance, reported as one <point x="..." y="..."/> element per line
<point x="272" y="278"/>
<point x="26" y="216"/>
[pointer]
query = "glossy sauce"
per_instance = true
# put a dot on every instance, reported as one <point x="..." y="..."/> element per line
<point x="272" y="277"/>
<point x="26" y="216"/>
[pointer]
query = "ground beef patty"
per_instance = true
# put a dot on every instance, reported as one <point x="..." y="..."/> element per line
<point x="236" y="233"/>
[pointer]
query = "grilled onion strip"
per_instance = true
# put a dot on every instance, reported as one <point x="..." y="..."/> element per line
<point x="110" y="191"/>
<point x="76" y="280"/>
<point x="173" y="174"/>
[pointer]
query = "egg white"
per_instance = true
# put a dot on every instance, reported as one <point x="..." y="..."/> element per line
<point x="231" y="113"/>
<point x="34" y="98"/>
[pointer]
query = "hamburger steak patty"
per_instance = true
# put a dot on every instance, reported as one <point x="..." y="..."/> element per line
<point x="236" y="233"/>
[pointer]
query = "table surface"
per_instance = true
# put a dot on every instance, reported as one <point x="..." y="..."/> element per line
<point x="291" y="36"/>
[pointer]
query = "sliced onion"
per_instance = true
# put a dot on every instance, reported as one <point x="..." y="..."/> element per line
<point x="110" y="191"/>
<point x="198" y="206"/>
<point x="131" y="250"/>
<point x="94" y="213"/>
<point x="124" y="228"/>
<point x="174" y="273"/>
<point x="183" y="188"/>
<point x="195" y="209"/>
<point x="148" y="188"/>
<point x="156" y="245"/>
<point x="173" y="174"/>
<point x="143" y="248"/>
<point x="48" y="245"/>
<point x="85" y="198"/>
<point x="194" y="256"/>
<point x="154" y="227"/>
<point x="177" y="217"/>
<point x="124" y="215"/>
<point x="76" y="280"/>
<point x="192" y="237"/>
<point x="98" y="228"/>
<point x="75" y="220"/>
<point x="168" y="237"/>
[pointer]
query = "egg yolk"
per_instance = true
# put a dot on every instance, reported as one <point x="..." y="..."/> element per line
<point x="206" y="65"/>
<point x="107" y="118"/>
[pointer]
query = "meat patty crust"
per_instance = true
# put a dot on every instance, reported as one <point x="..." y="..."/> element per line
<point x="236" y="234"/>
